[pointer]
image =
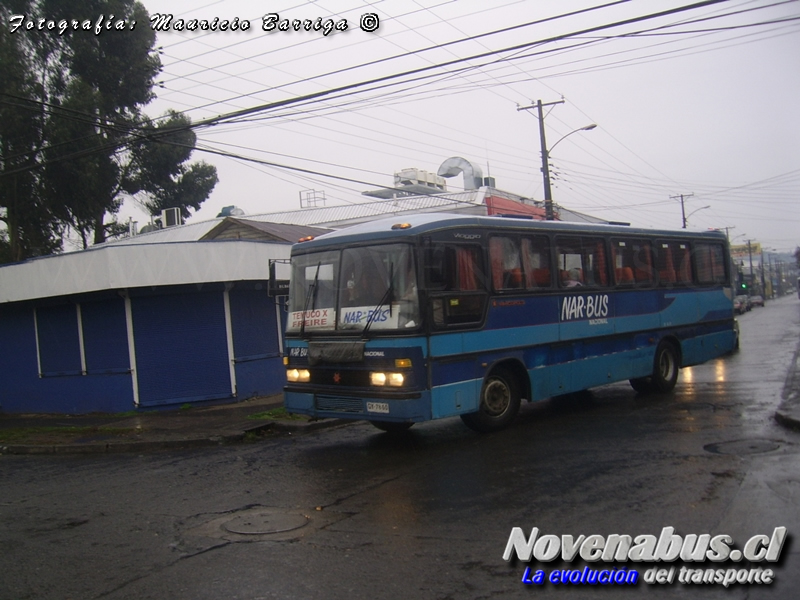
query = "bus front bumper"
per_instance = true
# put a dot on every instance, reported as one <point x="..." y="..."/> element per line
<point x="341" y="406"/>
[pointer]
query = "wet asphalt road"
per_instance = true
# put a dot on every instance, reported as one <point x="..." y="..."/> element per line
<point x="353" y="513"/>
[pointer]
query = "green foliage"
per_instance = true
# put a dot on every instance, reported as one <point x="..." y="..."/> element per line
<point x="73" y="139"/>
<point x="159" y="168"/>
<point x="279" y="413"/>
<point x="56" y="434"/>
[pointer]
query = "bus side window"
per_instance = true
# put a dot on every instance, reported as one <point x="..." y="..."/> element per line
<point x="536" y="262"/>
<point x="633" y="263"/>
<point x="643" y="271"/>
<point x="505" y="261"/>
<point x="582" y="261"/>
<point x="461" y="298"/>
<point x="683" y="264"/>
<point x="709" y="263"/>
<point x="673" y="262"/>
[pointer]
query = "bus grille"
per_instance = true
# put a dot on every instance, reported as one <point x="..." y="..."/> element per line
<point x="334" y="404"/>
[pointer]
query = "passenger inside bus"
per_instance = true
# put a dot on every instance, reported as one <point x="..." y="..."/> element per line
<point x="573" y="278"/>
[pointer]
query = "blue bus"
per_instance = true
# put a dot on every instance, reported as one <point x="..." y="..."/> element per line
<point x="444" y="315"/>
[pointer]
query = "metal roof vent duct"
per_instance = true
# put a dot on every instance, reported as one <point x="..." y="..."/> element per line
<point x="473" y="176"/>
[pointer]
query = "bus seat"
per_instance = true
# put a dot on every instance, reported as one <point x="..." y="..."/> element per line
<point x="512" y="279"/>
<point x="667" y="275"/>
<point x="540" y="277"/>
<point x="624" y="275"/>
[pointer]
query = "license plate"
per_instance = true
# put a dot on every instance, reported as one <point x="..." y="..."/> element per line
<point x="378" y="407"/>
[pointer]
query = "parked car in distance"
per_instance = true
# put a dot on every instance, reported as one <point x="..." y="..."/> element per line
<point x="756" y="300"/>
<point x="740" y="304"/>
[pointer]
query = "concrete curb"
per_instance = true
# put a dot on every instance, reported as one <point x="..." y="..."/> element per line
<point x="788" y="413"/>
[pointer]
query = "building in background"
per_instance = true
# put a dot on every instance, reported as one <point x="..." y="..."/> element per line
<point x="183" y="313"/>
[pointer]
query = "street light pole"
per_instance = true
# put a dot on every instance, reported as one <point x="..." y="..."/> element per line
<point x="682" y="198"/>
<point x="548" y="192"/>
<point x="686" y="218"/>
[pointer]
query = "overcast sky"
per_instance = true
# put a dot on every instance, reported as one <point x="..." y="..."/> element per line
<point x="702" y="102"/>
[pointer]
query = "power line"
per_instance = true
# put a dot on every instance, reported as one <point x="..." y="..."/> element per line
<point x="392" y="77"/>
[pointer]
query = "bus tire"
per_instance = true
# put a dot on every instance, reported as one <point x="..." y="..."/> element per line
<point x="642" y="385"/>
<point x="499" y="403"/>
<point x="392" y="426"/>
<point x="665" y="368"/>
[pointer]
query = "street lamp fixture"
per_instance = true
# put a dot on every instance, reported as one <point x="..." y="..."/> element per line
<point x="548" y="193"/>
<point x="686" y="218"/>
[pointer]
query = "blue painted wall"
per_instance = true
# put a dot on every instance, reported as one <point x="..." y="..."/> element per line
<point x="23" y="391"/>
<point x="106" y="385"/>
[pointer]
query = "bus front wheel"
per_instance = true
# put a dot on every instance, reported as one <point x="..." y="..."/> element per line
<point x="499" y="403"/>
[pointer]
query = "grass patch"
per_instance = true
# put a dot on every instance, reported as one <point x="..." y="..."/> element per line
<point x="279" y="413"/>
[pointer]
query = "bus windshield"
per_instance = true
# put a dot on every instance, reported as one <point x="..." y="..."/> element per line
<point x="364" y="288"/>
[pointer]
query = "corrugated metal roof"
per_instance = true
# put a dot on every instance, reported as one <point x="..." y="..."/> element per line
<point x="349" y="214"/>
<point x="191" y="232"/>
<point x="263" y="230"/>
<point x="345" y="215"/>
<point x="119" y="267"/>
<point x="332" y="217"/>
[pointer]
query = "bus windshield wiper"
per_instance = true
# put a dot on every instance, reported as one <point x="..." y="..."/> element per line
<point x="387" y="297"/>
<point x="312" y="291"/>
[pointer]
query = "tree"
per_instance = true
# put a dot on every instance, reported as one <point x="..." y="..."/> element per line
<point x="73" y="138"/>
<point x="32" y="228"/>
<point x="159" y="169"/>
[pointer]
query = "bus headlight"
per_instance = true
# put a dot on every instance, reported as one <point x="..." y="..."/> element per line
<point x="298" y="375"/>
<point x="383" y="379"/>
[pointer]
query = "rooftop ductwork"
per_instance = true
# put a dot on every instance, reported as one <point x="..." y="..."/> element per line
<point x="473" y="176"/>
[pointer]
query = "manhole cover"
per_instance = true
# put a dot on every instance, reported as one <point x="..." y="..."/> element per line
<point x="743" y="447"/>
<point x="265" y="522"/>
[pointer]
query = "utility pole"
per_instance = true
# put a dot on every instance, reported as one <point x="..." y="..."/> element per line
<point x="750" y="254"/>
<point x="548" y="194"/>
<point x="683" y="209"/>
<point x="727" y="231"/>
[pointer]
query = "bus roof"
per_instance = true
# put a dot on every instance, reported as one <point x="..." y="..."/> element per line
<point x="388" y="228"/>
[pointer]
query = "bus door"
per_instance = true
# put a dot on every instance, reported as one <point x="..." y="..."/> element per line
<point x="457" y="298"/>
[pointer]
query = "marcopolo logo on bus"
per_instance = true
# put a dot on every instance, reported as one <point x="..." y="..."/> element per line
<point x="593" y="306"/>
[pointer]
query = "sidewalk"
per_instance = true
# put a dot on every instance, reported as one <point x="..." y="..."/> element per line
<point x="156" y="430"/>
<point x="788" y="413"/>
<point x="213" y="425"/>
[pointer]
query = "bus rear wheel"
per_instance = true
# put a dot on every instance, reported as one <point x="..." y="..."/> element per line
<point x="641" y="385"/>
<point x="392" y="426"/>
<point x="665" y="368"/>
<point x="499" y="403"/>
<point x="665" y="371"/>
